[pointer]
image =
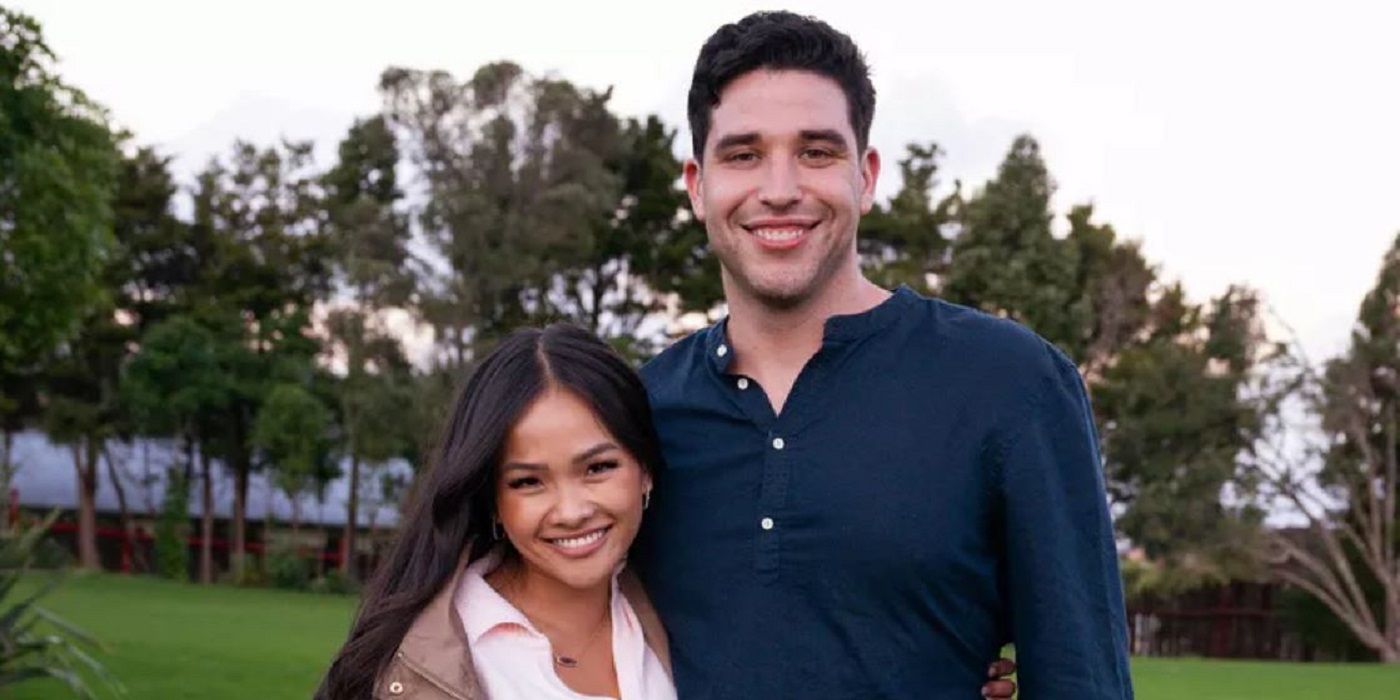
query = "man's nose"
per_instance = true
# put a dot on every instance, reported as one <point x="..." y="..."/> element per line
<point x="780" y="188"/>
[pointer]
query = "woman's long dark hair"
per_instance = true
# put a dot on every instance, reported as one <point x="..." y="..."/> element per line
<point x="452" y="505"/>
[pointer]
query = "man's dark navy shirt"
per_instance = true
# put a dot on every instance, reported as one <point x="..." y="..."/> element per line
<point x="930" y="490"/>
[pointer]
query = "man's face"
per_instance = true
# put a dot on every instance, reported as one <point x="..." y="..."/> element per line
<point x="781" y="185"/>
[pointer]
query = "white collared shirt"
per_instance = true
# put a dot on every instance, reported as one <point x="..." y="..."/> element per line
<point x="514" y="660"/>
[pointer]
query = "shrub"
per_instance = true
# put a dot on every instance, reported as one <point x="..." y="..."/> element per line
<point x="35" y="643"/>
<point x="286" y="570"/>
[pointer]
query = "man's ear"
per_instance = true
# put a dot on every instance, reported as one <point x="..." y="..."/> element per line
<point x="695" y="187"/>
<point x="870" y="174"/>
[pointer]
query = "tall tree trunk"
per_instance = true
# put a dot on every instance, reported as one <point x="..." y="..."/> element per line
<point x="240" y="508"/>
<point x="347" y="540"/>
<point x="85" y="463"/>
<point x="206" y="522"/>
<point x="138" y="556"/>
<point x="7" y="473"/>
<point x="241" y="467"/>
<point x="296" y="525"/>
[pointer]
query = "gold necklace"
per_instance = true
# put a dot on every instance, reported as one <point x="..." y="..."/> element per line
<point x="560" y="660"/>
<point x="563" y="661"/>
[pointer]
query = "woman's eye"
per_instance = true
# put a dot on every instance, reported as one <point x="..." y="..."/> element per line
<point x="600" y="467"/>
<point x="523" y="482"/>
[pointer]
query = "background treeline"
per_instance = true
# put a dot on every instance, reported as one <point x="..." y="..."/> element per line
<point x="296" y="316"/>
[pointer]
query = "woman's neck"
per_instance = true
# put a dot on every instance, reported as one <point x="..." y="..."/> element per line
<point x="549" y="602"/>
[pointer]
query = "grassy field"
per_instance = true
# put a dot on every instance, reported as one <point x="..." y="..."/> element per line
<point x="170" y="640"/>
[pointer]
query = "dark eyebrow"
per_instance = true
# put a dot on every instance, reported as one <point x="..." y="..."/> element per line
<point x="594" y="451"/>
<point x="829" y="135"/>
<point x="583" y="456"/>
<point x="732" y="140"/>
<point x="523" y="466"/>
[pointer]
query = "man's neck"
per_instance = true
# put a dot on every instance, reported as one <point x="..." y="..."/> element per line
<point x="772" y="344"/>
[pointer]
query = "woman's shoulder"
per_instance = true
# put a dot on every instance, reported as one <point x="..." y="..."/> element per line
<point x="652" y="629"/>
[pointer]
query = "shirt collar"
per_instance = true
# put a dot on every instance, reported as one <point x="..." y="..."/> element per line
<point x="480" y="606"/>
<point x="483" y="609"/>
<point x="719" y="353"/>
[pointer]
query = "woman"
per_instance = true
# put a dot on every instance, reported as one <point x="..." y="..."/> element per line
<point x="507" y="579"/>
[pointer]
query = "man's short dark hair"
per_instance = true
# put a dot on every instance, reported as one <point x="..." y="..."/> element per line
<point x="779" y="41"/>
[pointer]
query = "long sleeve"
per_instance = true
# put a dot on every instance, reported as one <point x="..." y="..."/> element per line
<point x="1062" y="587"/>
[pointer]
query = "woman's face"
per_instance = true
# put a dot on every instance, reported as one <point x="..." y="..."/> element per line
<point x="568" y="496"/>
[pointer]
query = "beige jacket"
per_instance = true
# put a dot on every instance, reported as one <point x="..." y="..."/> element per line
<point x="434" y="661"/>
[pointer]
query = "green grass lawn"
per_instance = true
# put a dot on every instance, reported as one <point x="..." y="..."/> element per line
<point x="171" y="640"/>
<point x="175" y="640"/>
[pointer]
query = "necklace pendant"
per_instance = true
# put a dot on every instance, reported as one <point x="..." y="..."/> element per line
<point x="565" y="661"/>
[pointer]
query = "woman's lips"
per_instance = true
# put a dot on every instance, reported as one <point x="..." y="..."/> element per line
<point x="580" y="545"/>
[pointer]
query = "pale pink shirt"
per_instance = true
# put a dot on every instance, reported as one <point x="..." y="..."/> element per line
<point x="514" y="661"/>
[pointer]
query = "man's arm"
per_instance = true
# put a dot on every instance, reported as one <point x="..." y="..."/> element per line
<point x="1063" y="589"/>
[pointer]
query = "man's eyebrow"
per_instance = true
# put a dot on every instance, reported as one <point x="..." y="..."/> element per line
<point x="831" y="136"/>
<point x="731" y="140"/>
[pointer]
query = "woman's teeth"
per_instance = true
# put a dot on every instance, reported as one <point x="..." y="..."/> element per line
<point x="583" y="541"/>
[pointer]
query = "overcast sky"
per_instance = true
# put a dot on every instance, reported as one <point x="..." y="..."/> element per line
<point x="1253" y="142"/>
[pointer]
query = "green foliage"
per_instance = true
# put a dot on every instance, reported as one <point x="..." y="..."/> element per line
<point x="543" y="205"/>
<point x="293" y="430"/>
<point x="904" y="241"/>
<point x="172" y="528"/>
<point x="1005" y="259"/>
<point x="1349" y="557"/>
<point x="1180" y="424"/>
<point x="34" y="642"/>
<point x="288" y="571"/>
<point x="334" y="582"/>
<point x="57" y="174"/>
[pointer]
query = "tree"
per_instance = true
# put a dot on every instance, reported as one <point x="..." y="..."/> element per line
<point x="517" y="186"/>
<point x="1170" y="378"/>
<point x="178" y="384"/>
<point x="57" y="171"/>
<point x="1347" y="485"/>
<point x="260" y="251"/>
<point x="1178" y="417"/>
<point x="1007" y="261"/>
<point x="294" y="432"/>
<point x="369" y="252"/>
<point x="905" y="241"/>
<point x="82" y="404"/>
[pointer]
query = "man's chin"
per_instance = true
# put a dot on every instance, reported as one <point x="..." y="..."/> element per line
<point x="781" y="296"/>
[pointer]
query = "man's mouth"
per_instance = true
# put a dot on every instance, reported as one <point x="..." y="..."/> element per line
<point x="780" y="235"/>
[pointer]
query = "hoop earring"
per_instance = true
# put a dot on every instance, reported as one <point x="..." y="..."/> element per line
<point x="496" y="533"/>
<point x="646" y="500"/>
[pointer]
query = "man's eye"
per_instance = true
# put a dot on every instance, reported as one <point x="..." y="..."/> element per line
<point x="817" y="154"/>
<point x="741" y="157"/>
<point x="523" y="482"/>
<point x="600" y="467"/>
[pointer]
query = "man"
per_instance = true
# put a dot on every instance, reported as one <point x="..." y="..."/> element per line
<point x="867" y="493"/>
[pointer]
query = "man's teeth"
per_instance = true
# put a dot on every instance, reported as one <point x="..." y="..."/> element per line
<point x="584" y="541"/>
<point x="778" y="234"/>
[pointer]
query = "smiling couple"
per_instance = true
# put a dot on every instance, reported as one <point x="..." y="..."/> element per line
<point x="838" y="491"/>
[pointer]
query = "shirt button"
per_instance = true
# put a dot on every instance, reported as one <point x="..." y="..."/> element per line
<point x="766" y="523"/>
<point x="743" y="382"/>
<point x="778" y="443"/>
<point x="722" y="351"/>
<point x="396" y="688"/>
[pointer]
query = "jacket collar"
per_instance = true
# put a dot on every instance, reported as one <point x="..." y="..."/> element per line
<point x="436" y="643"/>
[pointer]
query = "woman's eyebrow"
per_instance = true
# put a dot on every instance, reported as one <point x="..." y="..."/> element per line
<point x="594" y="451"/>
